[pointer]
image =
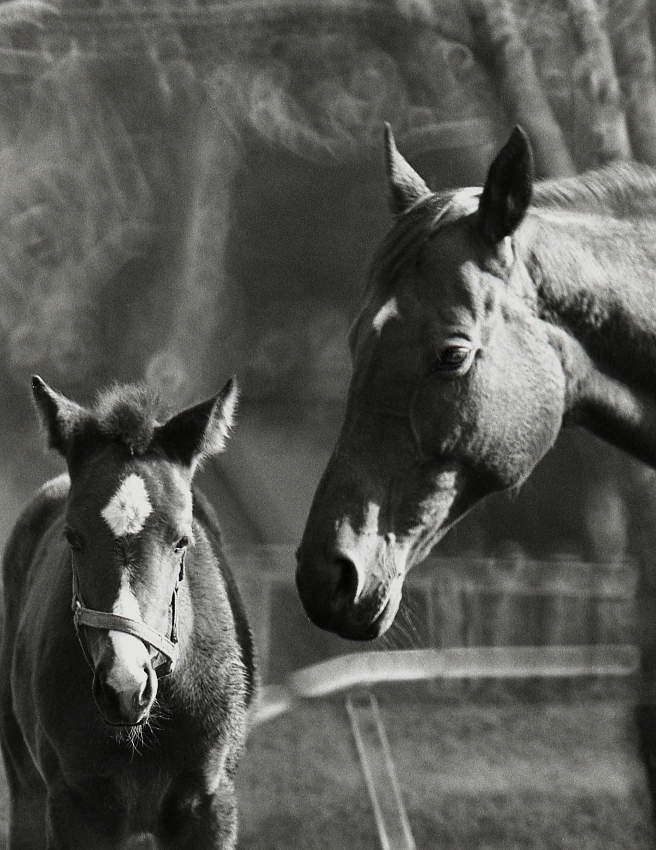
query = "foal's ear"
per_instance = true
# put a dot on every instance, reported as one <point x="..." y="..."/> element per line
<point x="406" y="187"/>
<point x="508" y="187"/>
<point x="59" y="415"/>
<point x="200" y="431"/>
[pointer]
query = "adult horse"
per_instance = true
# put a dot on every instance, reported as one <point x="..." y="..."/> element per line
<point x="127" y="663"/>
<point x="492" y="318"/>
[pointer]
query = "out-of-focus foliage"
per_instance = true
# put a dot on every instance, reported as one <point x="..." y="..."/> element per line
<point x="135" y="122"/>
<point x="190" y="190"/>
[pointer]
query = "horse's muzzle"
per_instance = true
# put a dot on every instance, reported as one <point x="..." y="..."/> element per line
<point x="335" y="599"/>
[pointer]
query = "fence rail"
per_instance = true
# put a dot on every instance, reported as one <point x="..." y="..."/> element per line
<point x="449" y="604"/>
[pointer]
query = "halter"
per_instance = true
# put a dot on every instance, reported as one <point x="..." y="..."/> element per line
<point x="165" y="646"/>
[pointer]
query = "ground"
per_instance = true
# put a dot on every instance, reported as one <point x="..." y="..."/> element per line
<point x="508" y="773"/>
<point x="477" y="772"/>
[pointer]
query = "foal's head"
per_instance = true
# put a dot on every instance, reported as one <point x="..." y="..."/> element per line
<point x="128" y="525"/>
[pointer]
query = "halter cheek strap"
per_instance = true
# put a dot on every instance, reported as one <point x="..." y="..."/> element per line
<point x="165" y="646"/>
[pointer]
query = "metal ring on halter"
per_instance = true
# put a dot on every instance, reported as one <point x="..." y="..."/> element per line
<point x="166" y="647"/>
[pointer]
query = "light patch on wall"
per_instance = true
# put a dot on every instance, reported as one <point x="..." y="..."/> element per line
<point x="129" y="508"/>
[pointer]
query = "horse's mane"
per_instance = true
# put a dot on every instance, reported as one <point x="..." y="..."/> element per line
<point x="128" y="414"/>
<point x="411" y="231"/>
<point x="621" y="189"/>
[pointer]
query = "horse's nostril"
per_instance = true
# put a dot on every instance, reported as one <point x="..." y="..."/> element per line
<point x="124" y="702"/>
<point x="346" y="579"/>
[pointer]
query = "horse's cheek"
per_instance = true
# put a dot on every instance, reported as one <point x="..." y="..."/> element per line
<point x="545" y="391"/>
<point x="519" y="415"/>
<point x="441" y="415"/>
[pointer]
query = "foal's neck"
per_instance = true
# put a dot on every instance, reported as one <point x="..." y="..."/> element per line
<point x="595" y="277"/>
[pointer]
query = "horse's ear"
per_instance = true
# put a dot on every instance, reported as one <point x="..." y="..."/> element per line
<point x="60" y="416"/>
<point x="508" y="187"/>
<point x="406" y="187"/>
<point x="199" y="431"/>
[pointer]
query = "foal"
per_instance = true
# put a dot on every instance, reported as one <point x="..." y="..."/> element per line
<point x="127" y="668"/>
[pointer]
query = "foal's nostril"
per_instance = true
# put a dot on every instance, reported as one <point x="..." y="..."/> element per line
<point x="124" y="702"/>
<point x="331" y="587"/>
<point x="145" y="695"/>
<point x="104" y="694"/>
<point x="346" y="579"/>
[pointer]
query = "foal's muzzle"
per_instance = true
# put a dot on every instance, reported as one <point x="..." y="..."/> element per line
<point x="125" y="686"/>
<point x="167" y="647"/>
<point x="124" y="694"/>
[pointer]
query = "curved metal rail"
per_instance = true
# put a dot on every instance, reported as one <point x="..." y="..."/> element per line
<point x="501" y="662"/>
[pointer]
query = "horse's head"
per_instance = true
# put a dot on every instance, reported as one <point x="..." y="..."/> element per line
<point x="128" y="525"/>
<point x="457" y="391"/>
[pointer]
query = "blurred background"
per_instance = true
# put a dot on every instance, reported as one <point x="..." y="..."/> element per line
<point x="192" y="189"/>
<point x="195" y="189"/>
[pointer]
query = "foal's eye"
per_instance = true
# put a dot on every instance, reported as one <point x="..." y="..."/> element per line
<point x="181" y="544"/>
<point x="453" y="358"/>
<point x="73" y="539"/>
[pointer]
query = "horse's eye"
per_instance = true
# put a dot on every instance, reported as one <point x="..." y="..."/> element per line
<point x="73" y="539"/>
<point x="181" y="544"/>
<point x="453" y="358"/>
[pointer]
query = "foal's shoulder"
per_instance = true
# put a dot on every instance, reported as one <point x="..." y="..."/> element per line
<point x="46" y="506"/>
<point x="205" y="515"/>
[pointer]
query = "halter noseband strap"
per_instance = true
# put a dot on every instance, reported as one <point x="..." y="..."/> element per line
<point x="168" y="647"/>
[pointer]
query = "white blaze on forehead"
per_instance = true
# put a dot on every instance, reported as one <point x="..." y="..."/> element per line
<point x="446" y="480"/>
<point x="389" y="310"/>
<point x="129" y="508"/>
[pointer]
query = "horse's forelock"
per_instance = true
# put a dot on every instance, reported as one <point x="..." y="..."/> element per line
<point x="414" y="228"/>
<point x="129" y="415"/>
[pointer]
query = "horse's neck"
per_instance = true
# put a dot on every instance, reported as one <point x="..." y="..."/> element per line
<point x="595" y="277"/>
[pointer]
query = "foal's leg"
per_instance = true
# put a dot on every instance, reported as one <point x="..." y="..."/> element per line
<point x="195" y="820"/>
<point x="27" y="824"/>
<point x="28" y="821"/>
<point x="82" y="822"/>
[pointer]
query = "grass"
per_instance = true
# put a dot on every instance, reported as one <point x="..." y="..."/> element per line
<point x="508" y="773"/>
<point x="505" y="775"/>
